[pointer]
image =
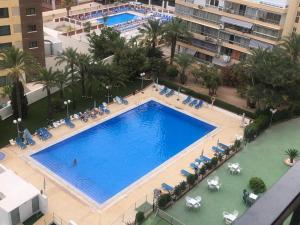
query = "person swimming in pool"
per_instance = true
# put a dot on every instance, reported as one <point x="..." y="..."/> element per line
<point x="74" y="162"/>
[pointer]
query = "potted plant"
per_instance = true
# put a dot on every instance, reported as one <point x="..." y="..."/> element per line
<point x="202" y="170"/>
<point x="214" y="161"/>
<point x="164" y="200"/>
<point x="191" y="179"/>
<point x="292" y="153"/>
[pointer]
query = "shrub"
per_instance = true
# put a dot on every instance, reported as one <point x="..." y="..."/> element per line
<point x="191" y="179"/>
<point x="255" y="128"/>
<point x="183" y="185"/>
<point x="139" y="217"/>
<point x="214" y="161"/>
<point x="237" y="145"/>
<point x="177" y="190"/>
<point x="257" y="185"/>
<point x="172" y="71"/>
<point x="208" y="165"/>
<point x="58" y="105"/>
<point x="163" y="200"/>
<point x="202" y="170"/>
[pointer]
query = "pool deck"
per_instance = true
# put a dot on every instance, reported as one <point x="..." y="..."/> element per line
<point x="68" y="204"/>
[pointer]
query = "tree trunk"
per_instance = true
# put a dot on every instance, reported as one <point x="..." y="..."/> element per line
<point x="61" y="92"/>
<point x="49" y="103"/>
<point x="82" y="84"/>
<point x="72" y="83"/>
<point x="173" y="48"/>
<point x="19" y="103"/>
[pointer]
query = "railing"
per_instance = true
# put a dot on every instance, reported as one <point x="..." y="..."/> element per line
<point x="50" y="219"/>
<point x="167" y="217"/>
<point x="144" y="204"/>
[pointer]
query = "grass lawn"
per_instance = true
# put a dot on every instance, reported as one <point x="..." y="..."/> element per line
<point x="262" y="158"/>
<point x="37" y="113"/>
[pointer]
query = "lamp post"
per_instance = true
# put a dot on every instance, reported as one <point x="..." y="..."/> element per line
<point x="108" y="94"/>
<point x="178" y="94"/>
<point x="17" y="121"/>
<point x="67" y="102"/>
<point x="142" y="84"/>
<point x="273" y="111"/>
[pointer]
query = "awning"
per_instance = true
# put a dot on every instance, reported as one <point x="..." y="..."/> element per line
<point x="236" y="22"/>
<point x="258" y="44"/>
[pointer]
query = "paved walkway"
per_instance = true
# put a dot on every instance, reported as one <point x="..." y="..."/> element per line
<point x="70" y="205"/>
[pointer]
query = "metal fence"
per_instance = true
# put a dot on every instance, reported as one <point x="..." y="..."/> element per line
<point x="167" y="217"/>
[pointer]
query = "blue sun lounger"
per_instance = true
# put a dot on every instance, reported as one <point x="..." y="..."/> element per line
<point x="194" y="166"/>
<point x="43" y="133"/>
<point x="185" y="173"/>
<point x="205" y="159"/>
<point x="199" y="104"/>
<point x="217" y="149"/>
<point x="163" y="91"/>
<point x="170" y="93"/>
<point x="104" y="109"/>
<point x="223" y="146"/>
<point x="20" y="143"/>
<point x="69" y="123"/>
<point x="187" y="100"/>
<point x="124" y="101"/>
<point x="194" y="102"/>
<point x="28" y="137"/>
<point x="167" y="187"/>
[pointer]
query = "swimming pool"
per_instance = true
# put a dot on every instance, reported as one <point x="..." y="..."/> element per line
<point x="116" y="19"/>
<point x="116" y="153"/>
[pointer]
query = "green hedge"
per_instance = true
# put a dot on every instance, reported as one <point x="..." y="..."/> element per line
<point x="207" y="98"/>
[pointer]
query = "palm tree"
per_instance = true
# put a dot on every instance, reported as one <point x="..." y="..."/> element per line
<point x="69" y="56"/>
<point x="83" y="62"/>
<point x="173" y="30"/>
<point x="211" y="78"/>
<point x="48" y="79"/>
<point x="151" y="32"/>
<point x="17" y="63"/>
<point x="292" y="154"/>
<point x="183" y="60"/>
<point x="68" y="4"/>
<point x="62" y="78"/>
<point x="291" y="44"/>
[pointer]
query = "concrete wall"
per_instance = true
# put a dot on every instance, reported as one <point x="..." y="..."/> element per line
<point x="32" y="97"/>
<point x="4" y="218"/>
<point x="25" y="210"/>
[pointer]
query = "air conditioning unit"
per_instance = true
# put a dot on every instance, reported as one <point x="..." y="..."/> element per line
<point x="200" y="7"/>
<point x="219" y="40"/>
<point x="217" y="56"/>
<point x="221" y="26"/>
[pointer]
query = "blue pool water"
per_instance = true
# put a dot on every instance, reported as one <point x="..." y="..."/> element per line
<point x="116" y="19"/>
<point x="119" y="151"/>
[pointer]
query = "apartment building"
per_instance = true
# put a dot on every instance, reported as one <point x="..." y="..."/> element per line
<point x="224" y="31"/>
<point x="21" y="25"/>
<point x="57" y="4"/>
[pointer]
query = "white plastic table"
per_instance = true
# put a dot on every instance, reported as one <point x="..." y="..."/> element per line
<point x="253" y="196"/>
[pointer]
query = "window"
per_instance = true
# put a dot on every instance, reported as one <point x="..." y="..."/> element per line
<point x="297" y="17"/>
<point x="4" y="13"/>
<point x="5" y="45"/>
<point x="31" y="28"/>
<point x="30" y="11"/>
<point x="33" y="44"/>
<point x="4" y="30"/>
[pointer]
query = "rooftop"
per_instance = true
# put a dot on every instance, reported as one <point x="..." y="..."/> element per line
<point x="14" y="191"/>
